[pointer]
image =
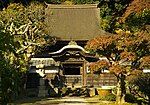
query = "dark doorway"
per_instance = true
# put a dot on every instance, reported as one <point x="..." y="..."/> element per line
<point x="32" y="80"/>
<point x="72" y="69"/>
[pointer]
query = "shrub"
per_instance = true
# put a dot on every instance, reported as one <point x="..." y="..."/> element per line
<point x="109" y="97"/>
<point x="130" y="98"/>
<point x="141" y="87"/>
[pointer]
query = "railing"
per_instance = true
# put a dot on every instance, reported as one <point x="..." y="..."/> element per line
<point x="73" y="80"/>
<point x="101" y="80"/>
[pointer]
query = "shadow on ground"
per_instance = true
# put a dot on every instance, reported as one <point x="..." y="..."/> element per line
<point x="54" y="101"/>
<point x="34" y="100"/>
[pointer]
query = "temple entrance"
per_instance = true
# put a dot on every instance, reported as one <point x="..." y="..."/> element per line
<point x="73" y="74"/>
<point x="71" y="70"/>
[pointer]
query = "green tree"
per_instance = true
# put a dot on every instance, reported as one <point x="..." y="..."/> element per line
<point x="8" y="74"/>
<point x="22" y="35"/>
<point x="124" y="14"/>
<point x="26" y="25"/>
<point x="110" y="12"/>
<point x="136" y="16"/>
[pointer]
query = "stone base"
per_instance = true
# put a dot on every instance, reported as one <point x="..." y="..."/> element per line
<point x="42" y="91"/>
<point x="32" y="92"/>
<point x="42" y="87"/>
<point x="91" y="92"/>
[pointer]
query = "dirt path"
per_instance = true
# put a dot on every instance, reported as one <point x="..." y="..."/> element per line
<point x="74" y="101"/>
<point x="56" y="101"/>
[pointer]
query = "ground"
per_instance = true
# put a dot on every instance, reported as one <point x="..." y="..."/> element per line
<point x="63" y="101"/>
<point x="56" y="101"/>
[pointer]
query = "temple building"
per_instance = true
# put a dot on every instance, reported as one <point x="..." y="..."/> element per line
<point x="72" y="26"/>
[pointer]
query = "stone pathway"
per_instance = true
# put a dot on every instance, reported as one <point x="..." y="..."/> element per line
<point x="74" y="101"/>
<point x="57" y="101"/>
<point x="64" y="101"/>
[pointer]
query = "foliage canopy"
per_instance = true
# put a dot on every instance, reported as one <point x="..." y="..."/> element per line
<point x="123" y="54"/>
<point x="22" y="34"/>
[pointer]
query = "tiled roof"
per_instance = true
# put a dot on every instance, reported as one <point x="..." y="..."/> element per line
<point x="73" y="22"/>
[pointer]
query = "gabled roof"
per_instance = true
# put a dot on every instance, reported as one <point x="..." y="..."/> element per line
<point x="71" y="45"/>
<point x="72" y="50"/>
<point x="73" y="22"/>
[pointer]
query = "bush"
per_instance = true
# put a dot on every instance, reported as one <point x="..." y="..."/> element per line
<point x="130" y="98"/>
<point x="109" y="97"/>
<point x="141" y="87"/>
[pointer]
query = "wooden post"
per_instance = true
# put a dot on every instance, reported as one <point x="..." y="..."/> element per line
<point x="84" y="73"/>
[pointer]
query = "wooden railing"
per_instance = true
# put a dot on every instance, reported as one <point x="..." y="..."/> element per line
<point x="73" y="80"/>
<point x="101" y="80"/>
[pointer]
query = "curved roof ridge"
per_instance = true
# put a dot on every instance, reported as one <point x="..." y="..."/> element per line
<point x="69" y="46"/>
<point x="64" y="6"/>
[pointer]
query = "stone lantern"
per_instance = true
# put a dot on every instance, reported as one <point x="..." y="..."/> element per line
<point x="41" y="87"/>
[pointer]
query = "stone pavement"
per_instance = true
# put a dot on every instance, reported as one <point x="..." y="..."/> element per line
<point x="58" y="101"/>
<point x="74" y="101"/>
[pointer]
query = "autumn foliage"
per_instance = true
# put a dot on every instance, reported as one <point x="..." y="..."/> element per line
<point x="136" y="6"/>
<point x="122" y="48"/>
<point x="122" y="54"/>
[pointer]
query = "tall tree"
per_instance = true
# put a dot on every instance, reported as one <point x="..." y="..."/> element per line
<point x="8" y="74"/>
<point x="124" y="55"/>
<point x="26" y="25"/>
<point x="124" y="14"/>
<point x="136" y="16"/>
<point x="23" y="34"/>
<point x="110" y="12"/>
<point x="135" y="8"/>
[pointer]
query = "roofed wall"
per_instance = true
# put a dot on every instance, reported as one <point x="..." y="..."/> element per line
<point x="73" y="22"/>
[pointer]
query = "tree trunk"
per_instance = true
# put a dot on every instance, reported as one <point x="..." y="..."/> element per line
<point x="121" y="89"/>
<point x="148" y="100"/>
